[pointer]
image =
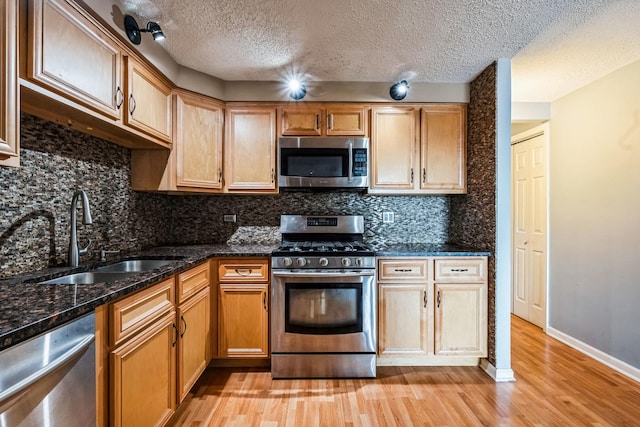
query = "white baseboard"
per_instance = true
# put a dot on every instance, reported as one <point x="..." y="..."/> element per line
<point x="498" y="375"/>
<point x="617" y="364"/>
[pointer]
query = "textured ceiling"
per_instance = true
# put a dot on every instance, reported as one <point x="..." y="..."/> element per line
<point x="556" y="44"/>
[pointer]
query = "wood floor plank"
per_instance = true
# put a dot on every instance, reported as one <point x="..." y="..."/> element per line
<point x="556" y="386"/>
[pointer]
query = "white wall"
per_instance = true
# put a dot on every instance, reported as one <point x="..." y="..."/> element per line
<point x="594" y="222"/>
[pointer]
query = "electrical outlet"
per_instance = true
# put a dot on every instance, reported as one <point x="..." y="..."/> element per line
<point x="230" y="218"/>
<point x="388" y="217"/>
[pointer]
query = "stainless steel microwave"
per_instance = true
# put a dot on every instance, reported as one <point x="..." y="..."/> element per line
<point x="323" y="163"/>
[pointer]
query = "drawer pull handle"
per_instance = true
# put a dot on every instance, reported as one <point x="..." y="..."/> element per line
<point x="244" y="271"/>
<point x="439" y="299"/>
<point x="424" y="299"/>
<point x="460" y="270"/>
<point x="264" y="301"/>
<point x="403" y="270"/>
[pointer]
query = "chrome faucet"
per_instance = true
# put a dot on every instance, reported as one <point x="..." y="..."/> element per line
<point x="74" y="252"/>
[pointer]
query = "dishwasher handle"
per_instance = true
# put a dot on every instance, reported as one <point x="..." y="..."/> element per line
<point x="74" y="352"/>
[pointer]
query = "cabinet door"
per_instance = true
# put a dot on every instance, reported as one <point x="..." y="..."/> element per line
<point x="461" y="319"/>
<point x="71" y="55"/>
<point x="193" y="352"/>
<point x="403" y="324"/>
<point x="198" y="141"/>
<point x="250" y="150"/>
<point x="148" y="101"/>
<point x="243" y="320"/>
<point x="346" y="121"/>
<point x="443" y="149"/>
<point x="394" y="132"/>
<point x="143" y="376"/>
<point x="9" y="105"/>
<point x="301" y="121"/>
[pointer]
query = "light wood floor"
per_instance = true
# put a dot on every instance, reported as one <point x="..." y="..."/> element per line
<point x="556" y="386"/>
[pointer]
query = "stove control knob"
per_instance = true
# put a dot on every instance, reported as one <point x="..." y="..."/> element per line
<point x="287" y="262"/>
<point x="323" y="262"/>
<point x="346" y="262"/>
<point x="301" y="262"/>
<point x="358" y="262"/>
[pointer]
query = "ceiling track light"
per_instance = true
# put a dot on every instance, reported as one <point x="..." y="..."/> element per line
<point x="297" y="90"/>
<point x="134" y="32"/>
<point x="399" y="90"/>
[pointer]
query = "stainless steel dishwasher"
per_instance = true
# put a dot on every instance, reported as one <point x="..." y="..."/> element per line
<point x="50" y="380"/>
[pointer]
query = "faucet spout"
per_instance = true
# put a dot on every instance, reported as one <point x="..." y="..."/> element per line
<point x="74" y="251"/>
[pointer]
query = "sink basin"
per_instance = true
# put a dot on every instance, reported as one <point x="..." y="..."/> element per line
<point x="87" y="278"/>
<point x="136" y="265"/>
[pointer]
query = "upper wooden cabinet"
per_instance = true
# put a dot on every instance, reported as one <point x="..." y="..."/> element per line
<point x="443" y="159"/>
<point x="76" y="74"/>
<point x="9" y="105"/>
<point x="250" y="150"/>
<point x="394" y="136"/>
<point x="323" y="120"/>
<point x="418" y="151"/>
<point x="195" y="160"/>
<point x="148" y="101"/>
<point x="70" y="55"/>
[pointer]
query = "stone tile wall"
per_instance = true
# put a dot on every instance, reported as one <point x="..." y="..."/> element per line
<point x="473" y="216"/>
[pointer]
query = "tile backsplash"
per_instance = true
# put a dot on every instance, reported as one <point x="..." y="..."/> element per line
<point x="56" y="160"/>
<point x="36" y="199"/>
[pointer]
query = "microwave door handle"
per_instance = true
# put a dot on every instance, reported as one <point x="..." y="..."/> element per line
<point x="350" y="176"/>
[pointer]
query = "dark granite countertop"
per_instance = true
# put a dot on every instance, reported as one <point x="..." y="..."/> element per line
<point x="425" y="249"/>
<point x="28" y="308"/>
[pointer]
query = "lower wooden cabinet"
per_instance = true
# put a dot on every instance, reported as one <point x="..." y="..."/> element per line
<point x="401" y="305"/>
<point x="461" y="319"/>
<point x="156" y="343"/>
<point x="432" y="311"/>
<point x="243" y="308"/>
<point x="143" y="376"/>
<point x="193" y="353"/>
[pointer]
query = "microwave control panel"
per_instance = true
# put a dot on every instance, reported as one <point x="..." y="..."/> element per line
<point x="360" y="162"/>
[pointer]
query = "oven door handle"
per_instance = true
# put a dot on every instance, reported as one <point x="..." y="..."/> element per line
<point x="322" y="274"/>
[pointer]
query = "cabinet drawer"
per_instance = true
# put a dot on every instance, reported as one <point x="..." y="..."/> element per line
<point x="135" y="312"/>
<point x="402" y="270"/>
<point x="192" y="281"/>
<point x="461" y="270"/>
<point x="243" y="271"/>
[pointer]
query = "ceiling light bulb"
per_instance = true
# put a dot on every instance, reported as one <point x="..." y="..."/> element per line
<point x="399" y="90"/>
<point x="294" y="85"/>
<point x="297" y="90"/>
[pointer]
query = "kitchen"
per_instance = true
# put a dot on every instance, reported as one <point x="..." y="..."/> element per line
<point x="128" y="220"/>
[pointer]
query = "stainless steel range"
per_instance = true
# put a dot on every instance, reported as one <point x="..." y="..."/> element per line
<point x="324" y="299"/>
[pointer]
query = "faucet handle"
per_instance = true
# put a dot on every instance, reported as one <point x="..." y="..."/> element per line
<point x="84" y="250"/>
<point x="103" y="254"/>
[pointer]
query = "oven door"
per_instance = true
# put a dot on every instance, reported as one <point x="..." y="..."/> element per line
<point x="323" y="311"/>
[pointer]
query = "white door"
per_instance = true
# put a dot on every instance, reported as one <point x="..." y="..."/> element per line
<point x="529" y="225"/>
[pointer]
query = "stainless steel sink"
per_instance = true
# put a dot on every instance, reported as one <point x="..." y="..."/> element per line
<point x="136" y="265"/>
<point x="88" y="278"/>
